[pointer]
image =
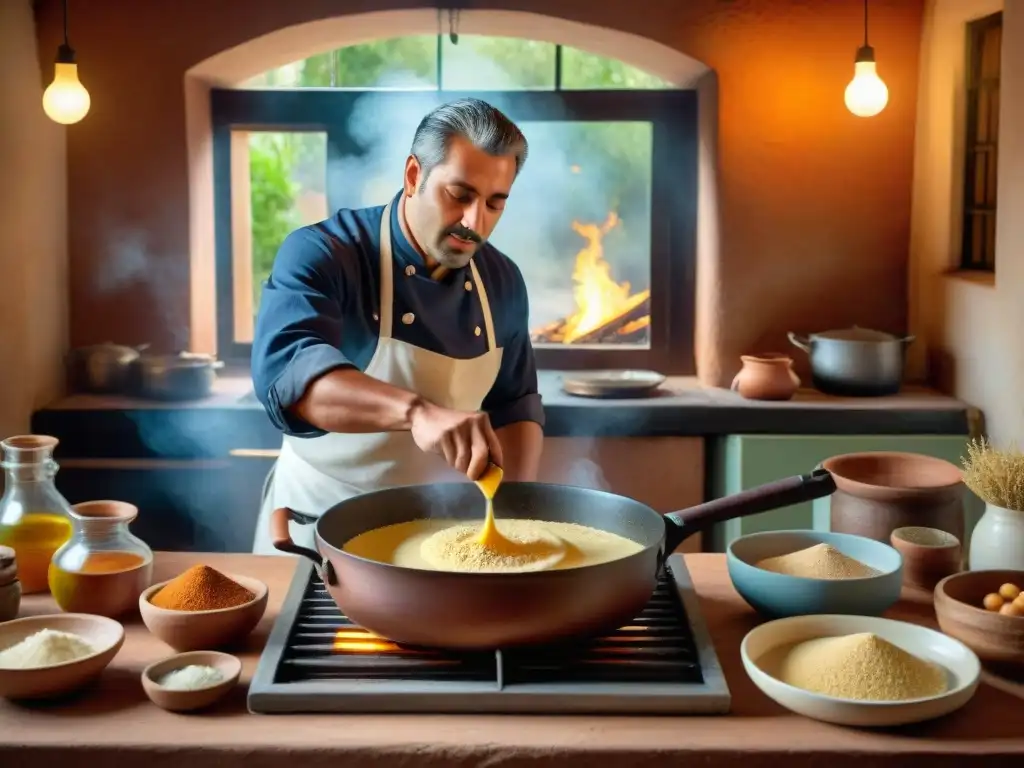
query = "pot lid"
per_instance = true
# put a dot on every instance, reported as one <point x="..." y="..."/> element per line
<point x="856" y="333"/>
<point x="178" y="360"/>
<point x="110" y="348"/>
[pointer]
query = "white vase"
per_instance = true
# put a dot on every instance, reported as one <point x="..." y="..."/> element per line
<point x="998" y="540"/>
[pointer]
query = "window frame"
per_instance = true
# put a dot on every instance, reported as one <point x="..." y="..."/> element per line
<point x="976" y="31"/>
<point x="672" y="114"/>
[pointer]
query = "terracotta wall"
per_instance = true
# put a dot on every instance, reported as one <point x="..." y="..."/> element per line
<point x="33" y="251"/>
<point x="814" y="203"/>
<point x="970" y="324"/>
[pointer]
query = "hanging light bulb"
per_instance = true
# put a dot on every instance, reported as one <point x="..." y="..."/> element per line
<point x="866" y="95"/>
<point x="65" y="100"/>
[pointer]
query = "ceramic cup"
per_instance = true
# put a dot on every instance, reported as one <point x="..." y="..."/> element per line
<point x="929" y="555"/>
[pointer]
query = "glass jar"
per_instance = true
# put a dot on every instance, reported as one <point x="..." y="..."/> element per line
<point x="103" y="568"/>
<point x="35" y="520"/>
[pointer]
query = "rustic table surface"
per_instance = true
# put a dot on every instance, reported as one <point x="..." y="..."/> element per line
<point x="114" y="723"/>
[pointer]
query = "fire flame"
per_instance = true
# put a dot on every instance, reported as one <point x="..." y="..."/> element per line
<point x="361" y="642"/>
<point x="599" y="298"/>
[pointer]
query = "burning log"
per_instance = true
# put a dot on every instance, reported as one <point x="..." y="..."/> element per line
<point x="606" y="311"/>
<point x="628" y="326"/>
<point x="612" y="326"/>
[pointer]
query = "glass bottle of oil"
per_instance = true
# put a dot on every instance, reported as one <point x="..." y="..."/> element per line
<point x="35" y="519"/>
<point x="104" y="567"/>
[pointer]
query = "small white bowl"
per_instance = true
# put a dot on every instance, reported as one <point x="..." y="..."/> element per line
<point x="229" y="666"/>
<point x="959" y="661"/>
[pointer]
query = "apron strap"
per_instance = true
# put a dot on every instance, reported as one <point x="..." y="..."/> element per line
<point x="485" y="306"/>
<point x="387" y="287"/>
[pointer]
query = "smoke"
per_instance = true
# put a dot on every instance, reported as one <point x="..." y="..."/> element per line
<point x="569" y="175"/>
<point x="135" y="263"/>
<point x="587" y="474"/>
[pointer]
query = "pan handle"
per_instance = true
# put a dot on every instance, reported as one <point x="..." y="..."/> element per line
<point x="780" y="493"/>
<point x="281" y="538"/>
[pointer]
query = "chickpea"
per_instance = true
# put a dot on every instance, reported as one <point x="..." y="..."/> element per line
<point x="1011" y="609"/>
<point x="1019" y="600"/>
<point x="992" y="602"/>
<point x="1009" y="591"/>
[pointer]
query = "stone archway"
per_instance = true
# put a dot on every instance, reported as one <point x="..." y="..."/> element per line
<point x="283" y="46"/>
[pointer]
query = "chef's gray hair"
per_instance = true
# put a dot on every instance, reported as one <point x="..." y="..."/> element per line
<point x="486" y="127"/>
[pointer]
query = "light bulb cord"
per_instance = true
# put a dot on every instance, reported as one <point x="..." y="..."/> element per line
<point x="865" y="22"/>
<point x="65" y="53"/>
<point x="865" y="53"/>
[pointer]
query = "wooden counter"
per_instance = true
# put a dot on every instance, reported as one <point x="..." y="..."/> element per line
<point x="113" y="723"/>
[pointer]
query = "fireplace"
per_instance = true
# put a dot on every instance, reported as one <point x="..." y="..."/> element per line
<point x="606" y="312"/>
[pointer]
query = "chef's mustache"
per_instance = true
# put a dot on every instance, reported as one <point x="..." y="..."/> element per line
<point x="465" y="233"/>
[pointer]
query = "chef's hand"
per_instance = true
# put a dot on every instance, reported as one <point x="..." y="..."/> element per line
<point x="464" y="438"/>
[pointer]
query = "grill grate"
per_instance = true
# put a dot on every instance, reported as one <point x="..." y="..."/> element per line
<point x="656" y="647"/>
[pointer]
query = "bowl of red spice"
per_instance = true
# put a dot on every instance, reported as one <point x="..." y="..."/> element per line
<point x="203" y="608"/>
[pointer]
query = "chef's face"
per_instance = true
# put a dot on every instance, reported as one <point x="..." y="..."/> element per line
<point x="454" y="210"/>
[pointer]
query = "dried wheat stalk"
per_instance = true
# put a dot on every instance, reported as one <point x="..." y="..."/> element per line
<point x="995" y="476"/>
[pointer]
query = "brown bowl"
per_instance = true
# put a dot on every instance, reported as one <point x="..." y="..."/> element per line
<point x="885" y="474"/>
<point x="201" y="630"/>
<point x="186" y="701"/>
<point x="997" y="639"/>
<point x="929" y="555"/>
<point x="106" y="635"/>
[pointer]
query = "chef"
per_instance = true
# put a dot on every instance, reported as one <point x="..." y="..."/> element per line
<point x="392" y="344"/>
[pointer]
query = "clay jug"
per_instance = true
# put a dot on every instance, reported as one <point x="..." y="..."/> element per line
<point x="879" y="491"/>
<point x="766" y="377"/>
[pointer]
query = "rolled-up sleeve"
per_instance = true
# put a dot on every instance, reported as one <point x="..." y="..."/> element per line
<point x="298" y="329"/>
<point x="515" y="396"/>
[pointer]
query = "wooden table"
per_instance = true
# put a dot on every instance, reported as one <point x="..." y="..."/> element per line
<point x="113" y="723"/>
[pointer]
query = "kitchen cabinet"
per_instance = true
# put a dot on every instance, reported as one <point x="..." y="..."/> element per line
<point x="738" y="462"/>
<point x="666" y="473"/>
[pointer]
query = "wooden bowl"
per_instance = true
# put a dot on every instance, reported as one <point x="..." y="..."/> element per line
<point x="201" y="630"/>
<point x="186" y="701"/>
<point x="106" y="636"/>
<point x="997" y="639"/>
<point x="929" y="555"/>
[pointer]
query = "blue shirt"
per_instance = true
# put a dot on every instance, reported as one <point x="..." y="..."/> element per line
<point x="317" y="314"/>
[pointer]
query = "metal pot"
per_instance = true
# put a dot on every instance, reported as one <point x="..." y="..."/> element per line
<point x="855" y="361"/>
<point x="181" y="376"/>
<point x="102" y="368"/>
<point x="444" y="609"/>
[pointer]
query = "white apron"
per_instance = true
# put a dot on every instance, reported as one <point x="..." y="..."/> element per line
<point x="313" y="474"/>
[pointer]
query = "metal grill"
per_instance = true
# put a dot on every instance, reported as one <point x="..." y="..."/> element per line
<point x="317" y="660"/>
<point x="655" y="647"/>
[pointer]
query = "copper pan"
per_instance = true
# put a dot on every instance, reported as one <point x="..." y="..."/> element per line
<point x="500" y="610"/>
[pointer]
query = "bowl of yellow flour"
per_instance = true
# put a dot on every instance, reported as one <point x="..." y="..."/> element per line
<point x="798" y="573"/>
<point x="860" y="670"/>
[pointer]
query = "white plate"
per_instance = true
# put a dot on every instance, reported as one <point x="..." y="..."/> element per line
<point x="960" y="662"/>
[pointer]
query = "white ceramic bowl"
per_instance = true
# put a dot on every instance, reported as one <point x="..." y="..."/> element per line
<point x="105" y="635"/>
<point x="172" y="700"/>
<point x="960" y="662"/>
